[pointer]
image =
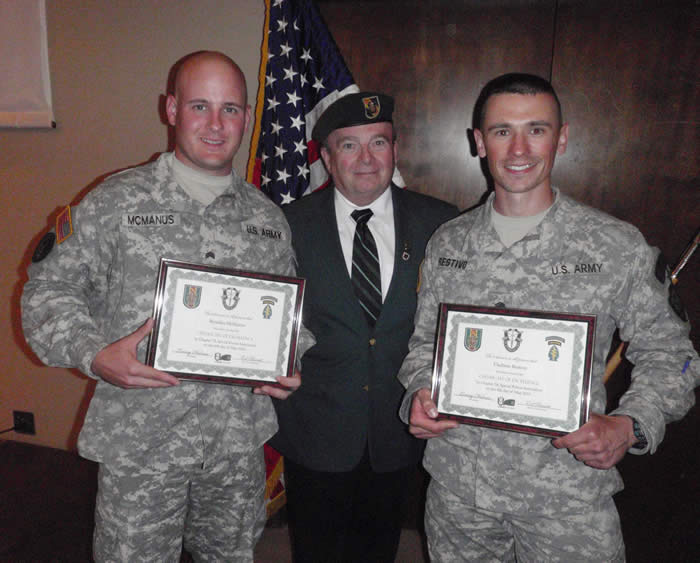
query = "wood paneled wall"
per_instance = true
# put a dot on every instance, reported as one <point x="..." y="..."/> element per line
<point x="626" y="73"/>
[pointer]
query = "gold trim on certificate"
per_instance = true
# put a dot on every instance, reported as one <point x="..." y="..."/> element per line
<point x="513" y="369"/>
<point x="224" y="326"/>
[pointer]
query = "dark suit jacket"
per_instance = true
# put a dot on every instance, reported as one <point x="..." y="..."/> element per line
<point x="349" y="395"/>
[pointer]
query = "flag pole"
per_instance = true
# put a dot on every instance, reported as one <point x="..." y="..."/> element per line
<point x="259" y="99"/>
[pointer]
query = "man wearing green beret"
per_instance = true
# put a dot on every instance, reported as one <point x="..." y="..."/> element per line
<point x="359" y="244"/>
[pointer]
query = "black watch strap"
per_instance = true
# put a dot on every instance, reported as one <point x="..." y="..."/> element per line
<point x="641" y="438"/>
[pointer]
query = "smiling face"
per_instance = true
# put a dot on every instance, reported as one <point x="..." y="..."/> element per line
<point x="361" y="160"/>
<point x="209" y="113"/>
<point x="520" y="137"/>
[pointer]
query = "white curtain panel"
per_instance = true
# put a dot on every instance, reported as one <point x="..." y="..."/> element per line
<point x="25" y="85"/>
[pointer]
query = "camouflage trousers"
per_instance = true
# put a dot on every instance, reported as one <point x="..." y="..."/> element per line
<point x="144" y="514"/>
<point x="459" y="532"/>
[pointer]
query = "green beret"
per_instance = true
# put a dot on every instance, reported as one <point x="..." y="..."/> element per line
<point x="354" y="109"/>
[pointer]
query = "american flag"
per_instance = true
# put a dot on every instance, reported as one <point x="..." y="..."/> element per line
<point x="301" y="73"/>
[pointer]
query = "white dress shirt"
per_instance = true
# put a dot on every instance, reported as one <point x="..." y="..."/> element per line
<point x="381" y="225"/>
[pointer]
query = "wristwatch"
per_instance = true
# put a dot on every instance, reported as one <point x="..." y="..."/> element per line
<point x="641" y="438"/>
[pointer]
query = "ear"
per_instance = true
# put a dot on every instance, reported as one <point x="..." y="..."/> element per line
<point x="563" y="139"/>
<point x="480" y="146"/>
<point x="171" y="109"/>
<point x="247" y="117"/>
<point x="326" y="156"/>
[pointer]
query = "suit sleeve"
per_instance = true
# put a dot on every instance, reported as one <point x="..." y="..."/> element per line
<point x="288" y="263"/>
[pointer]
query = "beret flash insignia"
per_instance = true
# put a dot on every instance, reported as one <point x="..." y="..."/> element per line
<point x="372" y="106"/>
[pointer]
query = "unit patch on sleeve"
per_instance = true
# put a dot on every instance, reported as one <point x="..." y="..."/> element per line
<point x="64" y="225"/>
<point x="44" y="247"/>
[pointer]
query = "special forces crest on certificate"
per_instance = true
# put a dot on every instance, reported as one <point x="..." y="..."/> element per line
<point x="512" y="338"/>
<point x="230" y="297"/>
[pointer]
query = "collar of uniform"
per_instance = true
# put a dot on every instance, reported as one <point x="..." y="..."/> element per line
<point x="552" y="228"/>
<point x="545" y="241"/>
<point x="166" y="192"/>
<point x="482" y="237"/>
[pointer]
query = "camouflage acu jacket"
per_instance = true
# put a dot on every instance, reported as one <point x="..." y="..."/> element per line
<point x="98" y="286"/>
<point x="578" y="260"/>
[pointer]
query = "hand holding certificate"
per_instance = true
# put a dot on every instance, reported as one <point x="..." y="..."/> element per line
<point x="525" y="371"/>
<point x="225" y="326"/>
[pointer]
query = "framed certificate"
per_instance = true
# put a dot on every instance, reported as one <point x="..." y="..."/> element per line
<point x="224" y="326"/>
<point x="513" y="369"/>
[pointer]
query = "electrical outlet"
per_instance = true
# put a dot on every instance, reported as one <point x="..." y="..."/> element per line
<point x="24" y="422"/>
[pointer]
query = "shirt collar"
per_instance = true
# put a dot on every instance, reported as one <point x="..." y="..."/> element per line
<point x="381" y="207"/>
<point x="549" y="234"/>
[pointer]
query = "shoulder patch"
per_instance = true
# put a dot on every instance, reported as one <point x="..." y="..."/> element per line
<point x="64" y="225"/>
<point x="44" y="247"/>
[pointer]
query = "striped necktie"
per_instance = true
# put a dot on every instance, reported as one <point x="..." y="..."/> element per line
<point x="365" y="276"/>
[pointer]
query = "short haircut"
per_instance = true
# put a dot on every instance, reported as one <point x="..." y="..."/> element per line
<point x="513" y="83"/>
<point x="173" y="75"/>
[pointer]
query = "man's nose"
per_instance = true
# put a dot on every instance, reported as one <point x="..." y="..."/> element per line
<point x="215" y="121"/>
<point x="518" y="144"/>
<point x="365" y="154"/>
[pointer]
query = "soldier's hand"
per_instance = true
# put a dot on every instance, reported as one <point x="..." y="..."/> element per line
<point x="422" y="423"/>
<point x="601" y="442"/>
<point x="290" y="384"/>
<point x="117" y="363"/>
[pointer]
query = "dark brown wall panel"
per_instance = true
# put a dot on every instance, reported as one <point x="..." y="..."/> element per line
<point x="627" y="75"/>
<point x="434" y="57"/>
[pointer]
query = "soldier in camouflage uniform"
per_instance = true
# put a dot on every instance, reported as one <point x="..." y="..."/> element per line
<point x="497" y="495"/>
<point x="177" y="459"/>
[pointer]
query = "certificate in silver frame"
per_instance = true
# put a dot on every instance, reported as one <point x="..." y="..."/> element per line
<point x="222" y="325"/>
<point x="513" y="369"/>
